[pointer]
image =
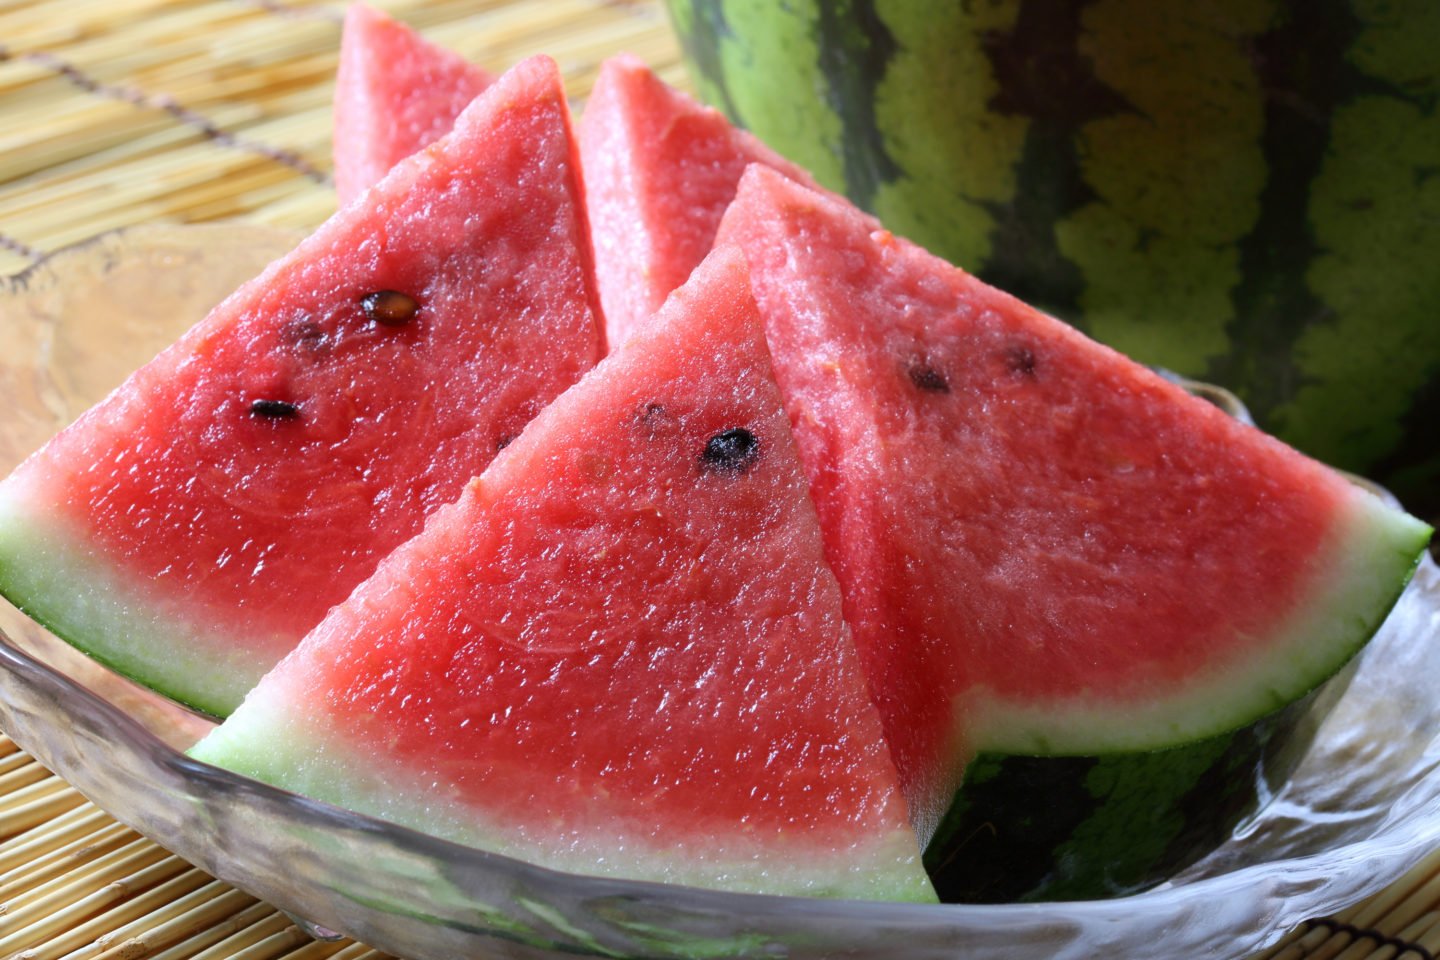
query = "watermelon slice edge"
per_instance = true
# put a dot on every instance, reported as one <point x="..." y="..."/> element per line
<point x="1373" y="553"/>
<point x="243" y="480"/>
<point x="1099" y="529"/>
<point x="519" y="677"/>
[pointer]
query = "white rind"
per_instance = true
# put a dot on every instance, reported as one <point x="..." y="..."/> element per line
<point x="270" y="738"/>
<point x="1369" y="557"/>
<point x="47" y="570"/>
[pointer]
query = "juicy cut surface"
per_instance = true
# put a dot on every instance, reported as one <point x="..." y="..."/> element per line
<point x="256" y="471"/>
<point x="1017" y="515"/>
<point x="621" y="651"/>
<point x="395" y="93"/>
<point x="660" y="170"/>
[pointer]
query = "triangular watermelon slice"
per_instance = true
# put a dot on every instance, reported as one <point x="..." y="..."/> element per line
<point x="620" y="652"/>
<point x="395" y="93"/>
<point x="1044" y="548"/>
<point x="660" y="169"/>
<point x="197" y="523"/>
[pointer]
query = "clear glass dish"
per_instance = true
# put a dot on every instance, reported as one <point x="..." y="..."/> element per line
<point x="1360" y="811"/>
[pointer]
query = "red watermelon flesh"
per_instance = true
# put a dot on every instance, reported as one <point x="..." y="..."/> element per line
<point x="620" y="652"/>
<point x="1044" y="548"/>
<point x="660" y="169"/>
<point x="395" y="93"/>
<point x="198" y="522"/>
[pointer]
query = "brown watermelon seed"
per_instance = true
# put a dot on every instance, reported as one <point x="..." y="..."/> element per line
<point x="731" y="451"/>
<point x="503" y="441"/>
<point x="928" y="378"/>
<point x="1021" y="359"/>
<point x="389" y="307"/>
<point x="274" y="410"/>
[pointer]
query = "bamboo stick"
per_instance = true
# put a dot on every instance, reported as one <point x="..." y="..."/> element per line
<point x="84" y="935"/>
<point x="22" y="776"/>
<point x="62" y="860"/>
<point x="207" y="922"/>
<point x="40" y="921"/>
<point x="285" y="70"/>
<point x="245" y="928"/>
<point x="1409" y="897"/>
<point x="1430" y="940"/>
<point x="35" y="790"/>
<point x="18" y="817"/>
<point x="78" y="822"/>
<point x="274" y="945"/>
<point x="1366" y="948"/>
<point x="86" y="879"/>
<point x="357" y="951"/>
<point x="321" y="950"/>
<point x="14" y="759"/>
<point x="175" y="907"/>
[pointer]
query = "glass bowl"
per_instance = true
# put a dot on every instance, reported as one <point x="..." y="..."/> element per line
<point x="1359" y="812"/>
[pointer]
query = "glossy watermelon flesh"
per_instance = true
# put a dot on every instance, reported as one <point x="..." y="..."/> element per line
<point x="395" y="93"/>
<point x="1044" y="548"/>
<point x="620" y="652"/>
<point x="660" y="169"/>
<point x="186" y="537"/>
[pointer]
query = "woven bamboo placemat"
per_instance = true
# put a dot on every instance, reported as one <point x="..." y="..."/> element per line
<point x="120" y="112"/>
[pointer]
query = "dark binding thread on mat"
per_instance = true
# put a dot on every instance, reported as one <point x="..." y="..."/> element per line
<point x="166" y="104"/>
<point x="1402" y="947"/>
<point x="20" y="248"/>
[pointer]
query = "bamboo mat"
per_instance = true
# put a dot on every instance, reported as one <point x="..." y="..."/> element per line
<point x="119" y="112"/>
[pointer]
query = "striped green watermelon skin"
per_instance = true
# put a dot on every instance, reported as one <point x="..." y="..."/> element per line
<point x="1065" y="828"/>
<point x="1244" y="192"/>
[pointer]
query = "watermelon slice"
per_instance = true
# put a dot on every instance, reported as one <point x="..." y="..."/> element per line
<point x="660" y="169"/>
<point x="1044" y="548"/>
<point x="620" y="652"/>
<point x="395" y="93"/>
<point x="197" y="523"/>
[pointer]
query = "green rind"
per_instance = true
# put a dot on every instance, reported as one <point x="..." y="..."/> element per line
<point x="1371" y="555"/>
<point x="1079" y="828"/>
<point x="1118" y="800"/>
<point x="268" y="738"/>
<point x="47" y="572"/>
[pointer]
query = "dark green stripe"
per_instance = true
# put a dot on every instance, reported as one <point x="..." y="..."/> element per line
<point x="1043" y="76"/>
<point x="1304" y="76"/>
<point x="1075" y="828"/>
<point x="702" y="46"/>
<point x="1412" y="470"/>
<point x="855" y="51"/>
<point x="997" y="842"/>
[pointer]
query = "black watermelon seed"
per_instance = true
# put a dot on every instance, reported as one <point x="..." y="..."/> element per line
<point x="731" y="451"/>
<point x="274" y="410"/>
<point x="389" y="307"/>
<point x="928" y="378"/>
<point x="503" y="441"/>
<point x="1021" y="359"/>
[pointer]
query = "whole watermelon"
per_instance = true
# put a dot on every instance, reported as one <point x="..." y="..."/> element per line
<point x="1243" y="191"/>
